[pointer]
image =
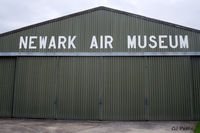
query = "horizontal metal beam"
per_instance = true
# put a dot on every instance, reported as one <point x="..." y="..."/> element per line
<point x="99" y="53"/>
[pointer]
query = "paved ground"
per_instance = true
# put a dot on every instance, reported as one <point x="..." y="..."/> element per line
<point x="69" y="126"/>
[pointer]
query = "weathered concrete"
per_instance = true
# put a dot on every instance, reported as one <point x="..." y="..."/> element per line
<point x="74" y="126"/>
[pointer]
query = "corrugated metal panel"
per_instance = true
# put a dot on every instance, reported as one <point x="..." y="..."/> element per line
<point x="123" y="90"/>
<point x="7" y="68"/>
<point x="101" y="22"/>
<point x="97" y="9"/>
<point x="78" y="88"/>
<point x="105" y="88"/>
<point x="35" y="87"/>
<point x="169" y="88"/>
<point x="196" y="86"/>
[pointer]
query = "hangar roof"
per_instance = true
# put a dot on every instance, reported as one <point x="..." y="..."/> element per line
<point x="96" y="9"/>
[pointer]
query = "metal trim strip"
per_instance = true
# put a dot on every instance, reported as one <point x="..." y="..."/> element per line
<point x="99" y="53"/>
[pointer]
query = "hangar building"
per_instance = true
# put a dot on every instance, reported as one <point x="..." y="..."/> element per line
<point x="101" y="64"/>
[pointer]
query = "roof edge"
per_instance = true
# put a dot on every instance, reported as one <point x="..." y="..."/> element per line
<point x="96" y="9"/>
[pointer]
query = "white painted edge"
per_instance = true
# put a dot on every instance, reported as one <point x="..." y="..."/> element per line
<point x="99" y="53"/>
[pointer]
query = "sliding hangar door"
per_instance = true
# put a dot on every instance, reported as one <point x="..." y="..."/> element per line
<point x="101" y="88"/>
<point x="101" y="64"/>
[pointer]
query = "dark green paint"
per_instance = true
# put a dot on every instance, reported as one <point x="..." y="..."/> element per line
<point x="7" y="67"/>
<point x="196" y="86"/>
<point x="35" y="87"/>
<point x="169" y="88"/>
<point x="123" y="88"/>
<point x="101" y="88"/>
<point x="100" y="22"/>
<point x="78" y="88"/>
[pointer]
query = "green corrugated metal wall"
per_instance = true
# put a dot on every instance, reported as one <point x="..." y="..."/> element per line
<point x="101" y="88"/>
<point x="123" y="95"/>
<point x="35" y="87"/>
<point x="7" y="68"/>
<point x="104" y="88"/>
<point x="98" y="23"/>
<point x="196" y="86"/>
<point x="169" y="88"/>
<point x="78" y="88"/>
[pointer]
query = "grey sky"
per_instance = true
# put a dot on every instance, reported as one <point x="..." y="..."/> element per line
<point x="15" y="14"/>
